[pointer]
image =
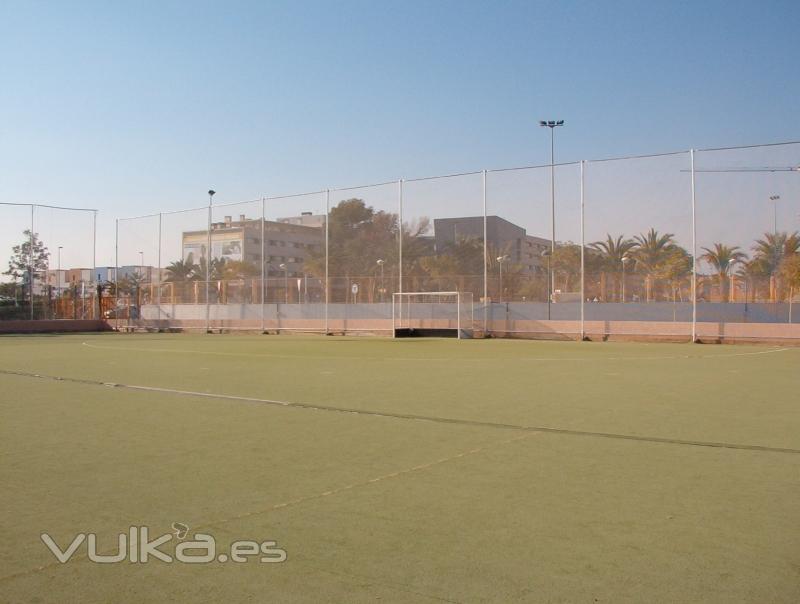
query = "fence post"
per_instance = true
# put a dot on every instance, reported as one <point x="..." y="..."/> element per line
<point x="694" y="254"/>
<point x="263" y="266"/>
<point x="485" y="263"/>
<point x="400" y="226"/>
<point x="30" y="261"/>
<point x="327" y="230"/>
<point x="583" y="258"/>
<point x="97" y="291"/>
<point x="208" y="268"/>
<point x="158" y="291"/>
<point x="116" y="275"/>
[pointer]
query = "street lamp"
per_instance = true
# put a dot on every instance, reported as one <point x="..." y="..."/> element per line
<point x="774" y="199"/>
<point x="141" y="264"/>
<point x="625" y="260"/>
<point x="58" y="271"/>
<point x="731" y="289"/>
<point x="285" y="269"/>
<point x="500" y="260"/>
<point x="211" y="193"/>
<point x="552" y="124"/>
<point x="380" y="262"/>
<point x="548" y="254"/>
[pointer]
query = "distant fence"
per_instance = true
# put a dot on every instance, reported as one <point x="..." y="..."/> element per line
<point x="654" y="243"/>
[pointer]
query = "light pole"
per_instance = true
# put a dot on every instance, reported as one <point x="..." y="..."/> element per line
<point x="500" y="260"/>
<point x="285" y="282"/>
<point x="141" y="265"/>
<point x="774" y="199"/>
<point x="552" y="124"/>
<point x="625" y="260"/>
<point x="58" y="271"/>
<point x="211" y="194"/>
<point x="548" y="254"/>
<point x="731" y="290"/>
<point x="382" y="290"/>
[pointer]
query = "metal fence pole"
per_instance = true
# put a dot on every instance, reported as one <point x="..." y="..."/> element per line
<point x="208" y="268"/>
<point x="400" y="227"/>
<point x="116" y="275"/>
<point x="158" y="291"/>
<point x="400" y="252"/>
<point x="485" y="263"/>
<point x="94" y="264"/>
<point x="263" y="266"/>
<point x="694" y="254"/>
<point x="583" y="258"/>
<point x="327" y="282"/>
<point x="30" y="261"/>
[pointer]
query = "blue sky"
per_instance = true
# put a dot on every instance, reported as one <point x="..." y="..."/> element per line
<point x="136" y="107"/>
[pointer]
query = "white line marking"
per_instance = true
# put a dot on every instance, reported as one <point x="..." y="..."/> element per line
<point x="369" y="481"/>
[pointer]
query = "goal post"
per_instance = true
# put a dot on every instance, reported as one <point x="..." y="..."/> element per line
<point x="432" y="314"/>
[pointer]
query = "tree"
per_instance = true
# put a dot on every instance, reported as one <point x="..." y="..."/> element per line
<point x="612" y="253"/>
<point x="674" y="269"/>
<point x="790" y="271"/>
<point x="459" y="259"/>
<point x="239" y="269"/>
<point x="768" y="254"/>
<point x="722" y="258"/>
<point x="216" y="273"/>
<point x="359" y="236"/>
<point x="652" y="249"/>
<point x="772" y="248"/>
<point x="566" y="262"/>
<point x="23" y="265"/>
<point x="182" y="270"/>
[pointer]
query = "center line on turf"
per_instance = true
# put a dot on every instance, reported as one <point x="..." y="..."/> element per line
<point x="411" y="416"/>
<point x="370" y="481"/>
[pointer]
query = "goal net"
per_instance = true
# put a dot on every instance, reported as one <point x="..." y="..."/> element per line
<point x="433" y="314"/>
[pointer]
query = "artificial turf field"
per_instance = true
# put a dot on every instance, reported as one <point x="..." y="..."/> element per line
<point x="461" y="471"/>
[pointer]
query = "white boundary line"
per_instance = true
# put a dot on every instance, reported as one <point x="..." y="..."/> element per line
<point x="410" y="416"/>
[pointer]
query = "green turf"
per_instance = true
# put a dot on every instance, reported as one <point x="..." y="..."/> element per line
<point x="525" y="487"/>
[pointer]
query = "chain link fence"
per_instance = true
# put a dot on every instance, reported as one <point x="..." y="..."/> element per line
<point x="692" y="244"/>
<point x="49" y="264"/>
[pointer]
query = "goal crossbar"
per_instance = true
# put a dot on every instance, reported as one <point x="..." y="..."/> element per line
<point x="432" y="314"/>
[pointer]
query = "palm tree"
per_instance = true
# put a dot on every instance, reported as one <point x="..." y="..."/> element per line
<point x="722" y="258"/>
<point x="769" y="252"/>
<point x="182" y="270"/>
<point x="613" y="253"/>
<point x="675" y="268"/>
<point x="774" y="246"/>
<point x="652" y="249"/>
<point x="217" y="272"/>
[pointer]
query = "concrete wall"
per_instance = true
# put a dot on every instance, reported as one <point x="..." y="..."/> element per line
<point x="55" y="326"/>
<point x="728" y="322"/>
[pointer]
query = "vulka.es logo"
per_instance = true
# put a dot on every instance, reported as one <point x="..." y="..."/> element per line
<point x="137" y="546"/>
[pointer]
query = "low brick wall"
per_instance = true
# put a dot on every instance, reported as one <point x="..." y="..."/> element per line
<point x="54" y="326"/>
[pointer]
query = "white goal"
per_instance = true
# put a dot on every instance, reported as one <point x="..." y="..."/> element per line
<point x="432" y="314"/>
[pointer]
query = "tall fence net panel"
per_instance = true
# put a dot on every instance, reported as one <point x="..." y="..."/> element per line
<point x="533" y="251"/>
<point x="135" y="281"/>
<point x="363" y="257"/>
<point x="234" y="271"/>
<point x="748" y="236"/>
<point x="294" y="262"/>
<point x="443" y="236"/>
<point x="182" y="295"/>
<point x="638" y="230"/>
<point x="49" y="271"/>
